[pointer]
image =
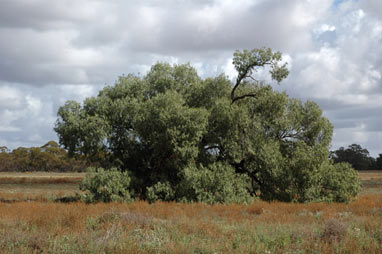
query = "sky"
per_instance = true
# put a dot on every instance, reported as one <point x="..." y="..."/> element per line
<point x="54" y="51"/>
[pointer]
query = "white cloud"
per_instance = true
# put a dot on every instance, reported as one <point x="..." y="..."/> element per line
<point x="229" y="69"/>
<point x="307" y="13"/>
<point x="34" y="105"/>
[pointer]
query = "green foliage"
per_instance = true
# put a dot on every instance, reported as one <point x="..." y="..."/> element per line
<point x="160" y="191"/>
<point x="247" y="62"/>
<point x="183" y="138"/>
<point x="219" y="183"/>
<point x="338" y="182"/>
<point x="106" y="185"/>
<point x="49" y="157"/>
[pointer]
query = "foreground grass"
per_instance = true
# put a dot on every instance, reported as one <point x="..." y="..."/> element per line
<point x="46" y="227"/>
<point x="42" y="226"/>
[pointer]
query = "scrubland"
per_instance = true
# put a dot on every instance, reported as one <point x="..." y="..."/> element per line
<point x="38" y="224"/>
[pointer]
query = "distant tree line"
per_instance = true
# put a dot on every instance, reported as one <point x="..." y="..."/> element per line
<point x="358" y="157"/>
<point x="49" y="157"/>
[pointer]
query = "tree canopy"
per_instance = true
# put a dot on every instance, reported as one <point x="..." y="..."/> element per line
<point x="49" y="157"/>
<point x="185" y="138"/>
<point x="378" y="162"/>
<point x="357" y="156"/>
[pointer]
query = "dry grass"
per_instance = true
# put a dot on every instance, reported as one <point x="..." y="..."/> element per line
<point x="40" y="178"/>
<point x="33" y="192"/>
<point x="48" y="227"/>
<point x="371" y="181"/>
<point x="193" y="228"/>
<point x="16" y="186"/>
<point x="374" y="175"/>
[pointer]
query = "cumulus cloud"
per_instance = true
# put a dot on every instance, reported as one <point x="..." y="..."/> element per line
<point x="344" y="73"/>
<point x="55" y="51"/>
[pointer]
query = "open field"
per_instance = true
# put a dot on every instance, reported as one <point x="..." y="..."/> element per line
<point x="371" y="181"/>
<point x="40" y="177"/>
<point x="46" y="227"/>
<point x="41" y="186"/>
<point x="49" y="227"/>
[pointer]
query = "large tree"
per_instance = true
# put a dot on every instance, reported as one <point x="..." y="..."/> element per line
<point x="182" y="137"/>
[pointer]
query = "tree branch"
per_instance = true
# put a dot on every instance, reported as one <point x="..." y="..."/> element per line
<point x="239" y="79"/>
<point x="242" y="97"/>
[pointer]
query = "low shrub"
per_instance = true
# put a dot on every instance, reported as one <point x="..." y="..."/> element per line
<point x="160" y="191"/>
<point x="217" y="183"/>
<point x="106" y="186"/>
<point x="335" y="183"/>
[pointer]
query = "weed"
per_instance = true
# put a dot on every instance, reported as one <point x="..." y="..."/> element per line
<point x="334" y="230"/>
<point x="377" y="235"/>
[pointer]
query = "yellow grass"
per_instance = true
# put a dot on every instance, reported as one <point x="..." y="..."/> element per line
<point x="43" y="226"/>
<point x="367" y="175"/>
<point x="192" y="228"/>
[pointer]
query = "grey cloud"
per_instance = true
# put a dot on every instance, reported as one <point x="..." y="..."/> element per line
<point x="41" y="58"/>
<point x="60" y="50"/>
<point x="344" y="123"/>
<point x="10" y="98"/>
<point x="122" y="33"/>
<point x="44" y="15"/>
<point x="358" y="112"/>
<point x="374" y="7"/>
<point x="355" y="117"/>
<point x="25" y="73"/>
<point x="178" y="29"/>
<point x="332" y="104"/>
<point x="375" y="125"/>
<point x="369" y="140"/>
<point x="32" y="123"/>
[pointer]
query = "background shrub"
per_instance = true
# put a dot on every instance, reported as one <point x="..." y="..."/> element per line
<point x="160" y="191"/>
<point x="217" y="183"/>
<point x="106" y="185"/>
